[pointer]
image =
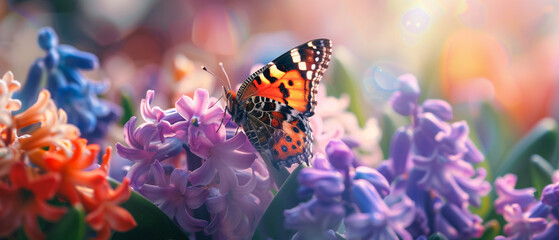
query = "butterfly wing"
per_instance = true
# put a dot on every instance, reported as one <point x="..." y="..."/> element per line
<point x="292" y="78"/>
<point x="279" y="132"/>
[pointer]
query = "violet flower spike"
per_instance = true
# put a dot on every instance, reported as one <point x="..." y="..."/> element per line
<point x="314" y="220"/>
<point x="433" y="160"/>
<point x="377" y="220"/>
<point x="234" y="207"/>
<point x="221" y="155"/>
<point x="202" y="120"/>
<point x="337" y="185"/>
<point x="445" y="169"/>
<point x="458" y="223"/>
<point x="520" y="225"/>
<point x="508" y="195"/>
<point x="175" y="198"/>
<point x="200" y="111"/>
<point x="145" y="147"/>
<point x="325" y="210"/>
<point x="404" y="101"/>
<point x="550" y="195"/>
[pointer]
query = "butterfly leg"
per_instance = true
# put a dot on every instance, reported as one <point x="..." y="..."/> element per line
<point x="223" y="119"/>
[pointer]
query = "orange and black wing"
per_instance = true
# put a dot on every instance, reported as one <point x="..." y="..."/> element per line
<point x="292" y="78"/>
<point x="281" y="134"/>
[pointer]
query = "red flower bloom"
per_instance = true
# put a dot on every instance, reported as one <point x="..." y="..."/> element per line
<point x="25" y="199"/>
<point x="72" y="169"/>
<point x="104" y="210"/>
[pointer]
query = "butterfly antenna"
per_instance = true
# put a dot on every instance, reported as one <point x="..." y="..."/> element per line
<point x="216" y="77"/>
<point x="226" y="76"/>
<point x="220" y="97"/>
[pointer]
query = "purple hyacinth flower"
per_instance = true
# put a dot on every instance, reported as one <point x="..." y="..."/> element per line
<point x="375" y="178"/>
<point x="222" y="154"/>
<point x="457" y="223"/>
<point x="550" y="195"/>
<point x="314" y="219"/>
<point x="144" y="148"/>
<point x="404" y="101"/>
<point x="519" y="224"/>
<point x="151" y="114"/>
<point x="445" y="169"/>
<point x="377" y="220"/>
<point x="441" y="109"/>
<point x="400" y="152"/>
<point x="507" y="195"/>
<point x="200" y="111"/>
<point x="551" y="232"/>
<point x="175" y="198"/>
<point x="339" y="154"/>
<point x="326" y="183"/>
<point x="433" y="159"/>
<point x="203" y="119"/>
<point x="235" y="208"/>
<point x="472" y="155"/>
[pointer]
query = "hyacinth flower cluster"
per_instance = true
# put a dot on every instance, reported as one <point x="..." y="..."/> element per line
<point x="526" y="217"/>
<point x="70" y="90"/>
<point x="332" y="120"/>
<point x="46" y="169"/>
<point x="343" y="190"/>
<point x="191" y="163"/>
<point x="432" y="160"/>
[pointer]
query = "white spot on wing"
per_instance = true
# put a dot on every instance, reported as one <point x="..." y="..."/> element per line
<point x="309" y="75"/>
<point x="295" y="56"/>
<point x="302" y="66"/>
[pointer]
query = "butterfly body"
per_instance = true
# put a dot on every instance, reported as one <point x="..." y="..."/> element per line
<point x="274" y="103"/>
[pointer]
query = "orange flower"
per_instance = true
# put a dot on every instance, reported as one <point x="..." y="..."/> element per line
<point x="25" y="199"/>
<point x="9" y="154"/>
<point x="104" y="210"/>
<point x="476" y="66"/>
<point x="72" y="170"/>
<point x="54" y="131"/>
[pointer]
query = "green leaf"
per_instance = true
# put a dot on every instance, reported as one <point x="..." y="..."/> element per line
<point x="541" y="172"/>
<point x="70" y="226"/>
<point x="541" y="141"/>
<point x="280" y="175"/>
<point x="345" y="82"/>
<point x="152" y="222"/>
<point x="486" y="207"/>
<point x="271" y="224"/>
<point x="20" y="235"/>
<point x="494" y="134"/>
<point x="127" y="108"/>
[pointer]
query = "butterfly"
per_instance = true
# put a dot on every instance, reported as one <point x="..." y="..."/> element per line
<point x="273" y="105"/>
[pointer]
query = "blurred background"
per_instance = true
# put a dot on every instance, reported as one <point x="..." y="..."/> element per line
<point x="498" y="53"/>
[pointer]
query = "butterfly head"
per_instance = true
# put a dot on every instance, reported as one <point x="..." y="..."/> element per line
<point x="231" y="98"/>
